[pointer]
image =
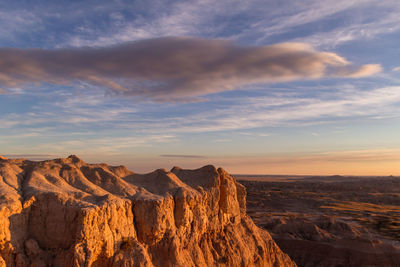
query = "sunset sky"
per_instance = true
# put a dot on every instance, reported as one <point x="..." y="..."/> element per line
<point x="257" y="87"/>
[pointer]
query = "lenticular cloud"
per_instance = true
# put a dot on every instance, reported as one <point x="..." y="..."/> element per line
<point x="174" y="67"/>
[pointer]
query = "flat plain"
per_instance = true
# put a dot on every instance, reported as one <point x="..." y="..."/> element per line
<point x="329" y="220"/>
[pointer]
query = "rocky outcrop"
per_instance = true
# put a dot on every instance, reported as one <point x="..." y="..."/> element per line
<point x="65" y="212"/>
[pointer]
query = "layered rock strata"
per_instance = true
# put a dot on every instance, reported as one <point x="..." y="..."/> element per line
<point x="65" y="212"/>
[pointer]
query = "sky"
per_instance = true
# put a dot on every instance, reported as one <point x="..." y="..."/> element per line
<point x="256" y="87"/>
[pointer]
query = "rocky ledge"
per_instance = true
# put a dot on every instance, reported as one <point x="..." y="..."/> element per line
<point x="65" y="212"/>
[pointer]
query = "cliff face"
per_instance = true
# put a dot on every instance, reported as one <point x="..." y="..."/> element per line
<point x="65" y="212"/>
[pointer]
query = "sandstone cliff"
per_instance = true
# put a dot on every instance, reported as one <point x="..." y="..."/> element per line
<point x="65" y="212"/>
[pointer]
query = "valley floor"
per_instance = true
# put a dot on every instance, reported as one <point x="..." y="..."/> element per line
<point x="329" y="221"/>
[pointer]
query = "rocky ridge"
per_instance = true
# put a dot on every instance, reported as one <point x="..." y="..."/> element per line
<point x="65" y="212"/>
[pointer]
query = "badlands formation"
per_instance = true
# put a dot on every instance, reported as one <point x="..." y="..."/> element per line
<point x="65" y="212"/>
<point x="329" y="221"/>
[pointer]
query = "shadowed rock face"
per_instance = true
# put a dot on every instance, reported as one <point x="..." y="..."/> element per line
<point x="65" y="212"/>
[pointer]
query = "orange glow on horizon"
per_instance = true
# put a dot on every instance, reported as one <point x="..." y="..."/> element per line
<point x="379" y="162"/>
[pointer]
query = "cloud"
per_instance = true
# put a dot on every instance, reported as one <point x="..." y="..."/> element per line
<point x="16" y="22"/>
<point x="109" y="145"/>
<point x="31" y="156"/>
<point x="117" y="127"/>
<point x="282" y="19"/>
<point x="366" y="27"/>
<point x="363" y="71"/>
<point x="344" y="156"/>
<point x="341" y="35"/>
<point x="182" y="156"/>
<point x="105" y="117"/>
<point x="396" y="69"/>
<point x="206" y="18"/>
<point x="173" y="68"/>
<point x="259" y="22"/>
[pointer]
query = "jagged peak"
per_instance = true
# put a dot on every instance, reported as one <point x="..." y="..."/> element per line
<point x="176" y="169"/>
<point x="74" y="159"/>
<point x="162" y="170"/>
<point x="223" y="172"/>
<point x="208" y="168"/>
<point x="121" y="170"/>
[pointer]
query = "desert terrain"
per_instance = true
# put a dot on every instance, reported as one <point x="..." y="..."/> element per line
<point x="329" y="221"/>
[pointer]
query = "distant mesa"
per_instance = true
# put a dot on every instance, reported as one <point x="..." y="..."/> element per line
<point x="65" y="212"/>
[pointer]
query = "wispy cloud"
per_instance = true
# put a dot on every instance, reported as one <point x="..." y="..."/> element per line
<point x="175" y="67"/>
<point x="264" y="20"/>
<point x="95" y="145"/>
<point x="332" y="22"/>
<point x="254" y="21"/>
<point x="365" y="70"/>
<point x="182" y="156"/>
<point x="16" y="22"/>
<point x="387" y="23"/>
<point x="364" y="155"/>
<point x="255" y="134"/>
<point x="281" y="19"/>
<point x="171" y="18"/>
<point x="30" y="156"/>
<point x="236" y="114"/>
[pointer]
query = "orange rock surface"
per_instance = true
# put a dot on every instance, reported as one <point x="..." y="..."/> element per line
<point x="65" y="212"/>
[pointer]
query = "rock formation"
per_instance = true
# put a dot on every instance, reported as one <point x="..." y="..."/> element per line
<point x="65" y="212"/>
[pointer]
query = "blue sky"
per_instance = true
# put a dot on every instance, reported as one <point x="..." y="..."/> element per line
<point x="299" y="87"/>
